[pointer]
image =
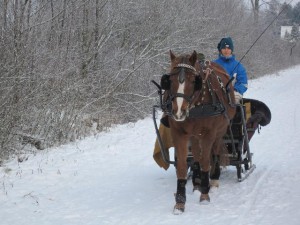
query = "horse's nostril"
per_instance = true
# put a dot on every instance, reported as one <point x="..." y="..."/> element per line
<point x="179" y="115"/>
<point x="183" y="113"/>
<point x="174" y="112"/>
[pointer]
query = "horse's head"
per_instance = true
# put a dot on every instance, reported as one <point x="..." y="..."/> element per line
<point x="182" y="82"/>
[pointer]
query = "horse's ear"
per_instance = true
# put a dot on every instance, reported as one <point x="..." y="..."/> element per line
<point x="172" y="56"/>
<point x="193" y="58"/>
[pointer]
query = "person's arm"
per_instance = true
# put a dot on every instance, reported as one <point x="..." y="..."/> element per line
<point x="241" y="84"/>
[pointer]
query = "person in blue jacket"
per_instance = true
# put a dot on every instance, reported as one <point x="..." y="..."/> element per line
<point x="233" y="67"/>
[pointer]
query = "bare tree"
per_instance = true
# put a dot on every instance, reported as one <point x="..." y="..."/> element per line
<point x="255" y="8"/>
<point x="69" y="68"/>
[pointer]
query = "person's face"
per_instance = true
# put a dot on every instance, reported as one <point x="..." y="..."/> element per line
<point x="226" y="52"/>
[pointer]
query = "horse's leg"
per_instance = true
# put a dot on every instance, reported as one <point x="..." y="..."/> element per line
<point x="196" y="178"/>
<point x="181" y="145"/>
<point x="180" y="197"/>
<point x="215" y="171"/>
<point x="215" y="167"/>
<point x="206" y="146"/>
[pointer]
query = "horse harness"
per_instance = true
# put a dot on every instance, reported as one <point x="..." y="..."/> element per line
<point x="196" y="109"/>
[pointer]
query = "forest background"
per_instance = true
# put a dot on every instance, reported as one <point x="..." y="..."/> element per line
<point x="70" y="68"/>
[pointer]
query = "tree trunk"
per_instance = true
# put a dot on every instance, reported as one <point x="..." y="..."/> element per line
<point x="255" y="7"/>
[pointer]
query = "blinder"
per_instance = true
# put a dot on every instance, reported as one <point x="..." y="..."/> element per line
<point x="165" y="82"/>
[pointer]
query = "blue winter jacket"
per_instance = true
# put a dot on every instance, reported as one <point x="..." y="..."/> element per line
<point x="229" y="63"/>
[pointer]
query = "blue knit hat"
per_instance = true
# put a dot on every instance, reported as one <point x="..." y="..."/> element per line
<point x="225" y="43"/>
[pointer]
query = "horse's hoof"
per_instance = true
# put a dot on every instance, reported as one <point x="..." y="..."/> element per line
<point x="196" y="188"/>
<point x="204" y="199"/>
<point x="214" y="183"/>
<point x="178" y="209"/>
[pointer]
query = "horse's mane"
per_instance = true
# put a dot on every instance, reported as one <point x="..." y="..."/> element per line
<point x="219" y="68"/>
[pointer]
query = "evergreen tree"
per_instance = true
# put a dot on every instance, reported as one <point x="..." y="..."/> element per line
<point x="286" y="16"/>
<point x="296" y="13"/>
<point x="295" y="36"/>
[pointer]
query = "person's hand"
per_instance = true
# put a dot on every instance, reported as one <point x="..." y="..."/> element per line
<point x="237" y="97"/>
<point x="234" y="80"/>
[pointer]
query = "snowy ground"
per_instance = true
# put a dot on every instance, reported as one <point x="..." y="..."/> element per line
<point x="112" y="178"/>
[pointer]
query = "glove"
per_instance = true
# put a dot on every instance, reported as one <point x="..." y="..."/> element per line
<point x="237" y="97"/>
<point x="234" y="80"/>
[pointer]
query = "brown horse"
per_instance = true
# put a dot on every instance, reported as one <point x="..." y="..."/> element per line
<point x="201" y="111"/>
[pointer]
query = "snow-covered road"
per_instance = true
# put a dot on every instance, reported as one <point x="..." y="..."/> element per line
<point x="112" y="178"/>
